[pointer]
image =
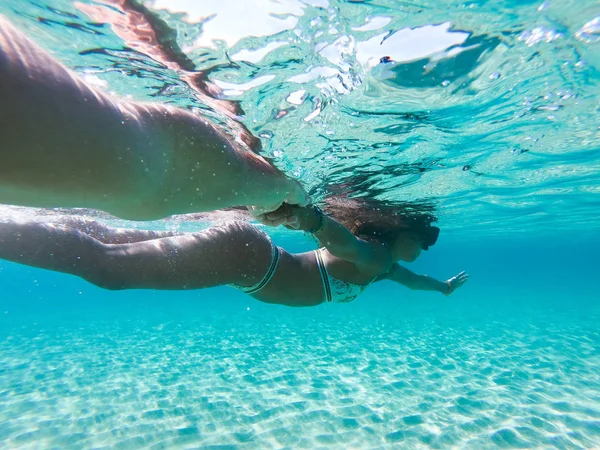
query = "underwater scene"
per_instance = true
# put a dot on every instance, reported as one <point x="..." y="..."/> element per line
<point x="482" y="116"/>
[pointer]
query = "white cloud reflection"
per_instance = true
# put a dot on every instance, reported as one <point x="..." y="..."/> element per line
<point x="258" y="54"/>
<point x="232" y="20"/>
<point x="409" y="44"/>
<point x="233" y="89"/>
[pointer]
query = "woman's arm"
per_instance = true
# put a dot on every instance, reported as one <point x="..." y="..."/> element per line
<point x="332" y="235"/>
<point x="111" y="235"/>
<point x="418" y="282"/>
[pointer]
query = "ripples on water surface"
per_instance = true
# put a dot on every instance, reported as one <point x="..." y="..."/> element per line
<point x="483" y="109"/>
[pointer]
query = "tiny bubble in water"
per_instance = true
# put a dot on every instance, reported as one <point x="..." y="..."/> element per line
<point x="495" y="76"/>
<point x="445" y="83"/>
<point x="518" y="151"/>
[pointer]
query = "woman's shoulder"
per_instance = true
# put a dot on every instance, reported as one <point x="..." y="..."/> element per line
<point x="377" y="258"/>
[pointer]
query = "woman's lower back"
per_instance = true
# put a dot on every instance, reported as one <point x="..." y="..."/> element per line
<point x="297" y="282"/>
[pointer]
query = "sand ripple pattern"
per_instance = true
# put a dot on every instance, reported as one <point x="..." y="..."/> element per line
<point x="301" y="383"/>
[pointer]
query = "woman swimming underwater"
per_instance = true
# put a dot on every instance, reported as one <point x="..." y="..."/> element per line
<point x="239" y="254"/>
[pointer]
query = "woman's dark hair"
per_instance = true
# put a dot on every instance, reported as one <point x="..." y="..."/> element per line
<point x="383" y="221"/>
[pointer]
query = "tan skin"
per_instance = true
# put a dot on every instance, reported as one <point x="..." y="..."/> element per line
<point x="352" y="259"/>
<point x="236" y="254"/>
<point x="64" y="143"/>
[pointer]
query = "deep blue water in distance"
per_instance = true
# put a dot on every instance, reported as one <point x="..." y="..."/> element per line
<point x="511" y="360"/>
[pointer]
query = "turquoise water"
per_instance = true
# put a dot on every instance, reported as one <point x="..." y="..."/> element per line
<point x="488" y="114"/>
<point x="511" y="361"/>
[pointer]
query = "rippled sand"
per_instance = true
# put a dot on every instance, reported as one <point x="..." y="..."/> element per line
<point x="307" y="383"/>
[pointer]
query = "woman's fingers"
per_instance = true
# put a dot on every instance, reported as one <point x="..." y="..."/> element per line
<point x="293" y="222"/>
<point x="462" y="276"/>
<point x="274" y="212"/>
<point x="282" y="216"/>
<point x="458" y="280"/>
<point x="297" y="195"/>
<point x="263" y="218"/>
<point x="257" y="211"/>
<point x="275" y="208"/>
<point x="290" y="222"/>
<point x="273" y="222"/>
<point x="284" y="212"/>
<point x="461" y="279"/>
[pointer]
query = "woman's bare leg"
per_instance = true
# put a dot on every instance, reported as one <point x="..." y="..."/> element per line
<point x="237" y="253"/>
<point x="63" y="143"/>
<point x="111" y="235"/>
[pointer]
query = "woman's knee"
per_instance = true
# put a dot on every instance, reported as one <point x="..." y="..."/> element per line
<point x="105" y="272"/>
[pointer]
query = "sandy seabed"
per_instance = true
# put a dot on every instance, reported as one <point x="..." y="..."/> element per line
<point x="307" y="383"/>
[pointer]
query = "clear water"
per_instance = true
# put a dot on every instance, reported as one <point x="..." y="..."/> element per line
<point x="489" y="113"/>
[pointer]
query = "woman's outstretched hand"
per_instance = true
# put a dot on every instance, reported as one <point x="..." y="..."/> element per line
<point x="457" y="281"/>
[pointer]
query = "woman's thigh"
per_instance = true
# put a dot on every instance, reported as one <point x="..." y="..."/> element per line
<point x="236" y="253"/>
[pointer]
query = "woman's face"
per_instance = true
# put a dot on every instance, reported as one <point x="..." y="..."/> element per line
<point x="407" y="247"/>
